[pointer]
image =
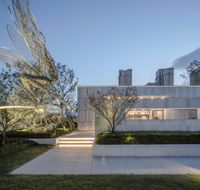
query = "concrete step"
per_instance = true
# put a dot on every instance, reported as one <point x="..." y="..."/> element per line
<point x="76" y="138"/>
<point x="75" y="142"/>
<point x="75" y="145"/>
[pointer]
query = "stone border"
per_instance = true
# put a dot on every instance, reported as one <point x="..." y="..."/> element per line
<point x="147" y="150"/>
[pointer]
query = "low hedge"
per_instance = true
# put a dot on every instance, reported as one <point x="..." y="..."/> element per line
<point x="30" y="134"/>
<point x="148" y="138"/>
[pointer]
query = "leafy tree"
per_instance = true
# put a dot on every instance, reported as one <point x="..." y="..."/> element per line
<point x="65" y="88"/>
<point x="10" y="119"/>
<point x="113" y="104"/>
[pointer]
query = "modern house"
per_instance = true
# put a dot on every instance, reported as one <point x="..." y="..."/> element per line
<point x="159" y="108"/>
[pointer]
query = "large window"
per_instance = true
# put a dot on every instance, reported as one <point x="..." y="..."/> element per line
<point x="138" y="114"/>
<point x="157" y="114"/>
<point x="144" y="114"/>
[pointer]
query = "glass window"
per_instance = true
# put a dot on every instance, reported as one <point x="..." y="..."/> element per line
<point x="157" y="114"/>
<point x="138" y="114"/>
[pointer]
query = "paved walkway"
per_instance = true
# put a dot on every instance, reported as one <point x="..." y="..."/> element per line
<point x="79" y="160"/>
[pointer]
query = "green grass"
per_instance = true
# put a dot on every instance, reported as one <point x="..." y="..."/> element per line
<point x="15" y="154"/>
<point x="24" y="152"/>
<point x="101" y="182"/>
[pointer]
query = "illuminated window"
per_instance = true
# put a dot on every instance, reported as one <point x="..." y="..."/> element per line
<point x="138" y="114"/>
<point x="157" y="114"/>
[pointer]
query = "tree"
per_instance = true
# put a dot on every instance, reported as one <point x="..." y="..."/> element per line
<point x="192" y="72"/>
<point x="113" y="105"/>
<point x="10" y="119"/>
<point x="64" y="89"/>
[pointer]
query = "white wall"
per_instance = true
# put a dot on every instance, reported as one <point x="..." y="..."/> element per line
<point x="177" y="97"/>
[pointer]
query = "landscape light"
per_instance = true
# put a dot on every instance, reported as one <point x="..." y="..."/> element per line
<point x="15" y="107"/>
<point x="39" y="110"/>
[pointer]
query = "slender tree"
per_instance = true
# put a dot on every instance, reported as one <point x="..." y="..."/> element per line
<point x="113" y="104"/>
<point x="65" y="88"/>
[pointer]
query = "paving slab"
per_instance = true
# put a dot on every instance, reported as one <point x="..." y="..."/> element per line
<point x="76" y="160"/>
<point x="80" y="160"/>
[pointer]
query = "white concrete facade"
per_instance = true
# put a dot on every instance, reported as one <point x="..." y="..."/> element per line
<point x="178" y="108"/>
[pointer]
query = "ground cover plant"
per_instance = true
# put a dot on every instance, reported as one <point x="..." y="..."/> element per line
<point x="148" y="138"/>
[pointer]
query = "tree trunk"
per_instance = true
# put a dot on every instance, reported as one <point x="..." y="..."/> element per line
<point x="62" y="114"/>
<point x="3" y="138"/>
<point x="112" y="129"/>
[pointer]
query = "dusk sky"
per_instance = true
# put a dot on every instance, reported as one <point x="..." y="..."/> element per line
<point x="98" y="37"/>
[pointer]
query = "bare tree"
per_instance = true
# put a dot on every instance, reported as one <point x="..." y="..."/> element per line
<point x="65" y="88"/>
<point x="192" y="70"/>
<point x="113" y="105"/>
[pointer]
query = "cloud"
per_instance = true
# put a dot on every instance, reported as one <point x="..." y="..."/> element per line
<point x="183" y="61"/>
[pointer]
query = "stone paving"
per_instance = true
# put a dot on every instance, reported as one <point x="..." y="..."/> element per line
<point x="80" y="161"/>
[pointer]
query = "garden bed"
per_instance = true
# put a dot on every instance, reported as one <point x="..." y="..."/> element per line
<point x="40" y="135"/>
<point x="148" y="138"/>
<point x="147" y="144"/>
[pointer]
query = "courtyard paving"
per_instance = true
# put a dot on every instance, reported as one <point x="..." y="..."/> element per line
<point x="80" y="160"/>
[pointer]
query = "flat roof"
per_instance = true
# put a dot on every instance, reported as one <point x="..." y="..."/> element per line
<point x="186" y="86"/>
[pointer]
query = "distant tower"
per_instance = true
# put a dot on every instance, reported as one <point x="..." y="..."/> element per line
<point x="195" y="77"/>
<point x="165" y="77"/>
<point x="125" y="77"/>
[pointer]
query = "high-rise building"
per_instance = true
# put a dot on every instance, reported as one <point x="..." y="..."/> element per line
<point x="165" y="77"/>
<point x="125" y="77"/>
<point x="195" y="77"/>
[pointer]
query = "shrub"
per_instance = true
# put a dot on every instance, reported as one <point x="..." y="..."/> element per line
<point x="148" y="138"/>
<point x="38" y="133"/>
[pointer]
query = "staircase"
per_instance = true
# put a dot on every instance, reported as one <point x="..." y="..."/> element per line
<point x="75" y="142"/>
<point x="76" y="139"/>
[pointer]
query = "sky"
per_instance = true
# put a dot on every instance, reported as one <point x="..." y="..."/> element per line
<point x="96" y="38"/>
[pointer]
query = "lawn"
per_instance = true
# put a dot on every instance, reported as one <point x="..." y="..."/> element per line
<point x="22" y="152"/>
<point x="101" y="182"/>
<point x="16" y="153"/>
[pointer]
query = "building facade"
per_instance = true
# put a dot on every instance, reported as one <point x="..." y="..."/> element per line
<point x="165" y="77"/>
<point x="125" y="77"/>
<point x="159" y="108"/>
